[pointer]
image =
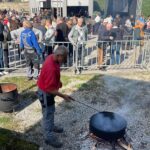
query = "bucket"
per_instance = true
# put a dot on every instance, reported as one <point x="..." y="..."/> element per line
<point x="8" y="96"/>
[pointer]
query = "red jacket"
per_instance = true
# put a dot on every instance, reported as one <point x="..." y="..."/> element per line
<point x="49" y="79"/>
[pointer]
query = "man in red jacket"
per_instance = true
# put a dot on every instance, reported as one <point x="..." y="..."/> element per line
<point x="49" y="84"/>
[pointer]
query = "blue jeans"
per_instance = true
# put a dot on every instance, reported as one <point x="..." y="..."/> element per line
<point x="115" y="53"/>
<point x="48" y="110"/>
<point x="1" y="60"/>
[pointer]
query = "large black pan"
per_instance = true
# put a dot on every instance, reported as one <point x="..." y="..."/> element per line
<point x="108" y="125"/>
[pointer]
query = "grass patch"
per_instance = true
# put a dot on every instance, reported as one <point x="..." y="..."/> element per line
<point x="68" y="79"/>
<point x="91" y="84"/>
<point x="5" y="120"/>
<point x="10" y="141"/>
<point x="65" y="80"/>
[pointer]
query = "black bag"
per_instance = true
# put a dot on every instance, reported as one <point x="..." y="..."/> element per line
<point x="8" y="36"/>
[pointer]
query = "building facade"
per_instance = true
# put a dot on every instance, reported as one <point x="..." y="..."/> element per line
<point x="37" y="5"/>
<point x="63" y="7"/>
<point x="73" y="7"/>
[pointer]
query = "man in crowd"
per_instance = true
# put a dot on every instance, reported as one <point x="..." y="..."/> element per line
<point x="78" y="36"/>
<point x="49" y="84"/>
<point x="105" y="36"/>
<point x="61" y="30"/>
<point x="117" y="34"/>
<point x="29" y="43"/>
<point x="49" y="37"/>
<point x="3" y="45"/>
<point x="14" y="23"/>
<point x="100" y="45"/>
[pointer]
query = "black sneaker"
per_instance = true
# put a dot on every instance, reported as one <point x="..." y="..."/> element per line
<point x="54" y="142"/>
<point x="58" y="129"/>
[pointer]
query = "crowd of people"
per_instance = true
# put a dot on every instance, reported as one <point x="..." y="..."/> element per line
<point x="47" y="31"/>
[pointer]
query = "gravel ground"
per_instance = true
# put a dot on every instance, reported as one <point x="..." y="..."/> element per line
<point x="127" y="94"/>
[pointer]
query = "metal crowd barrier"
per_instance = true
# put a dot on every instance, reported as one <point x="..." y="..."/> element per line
<point x="124" y="54"/>
<point x="11" y="56"/>
<point x="88" y="55"/>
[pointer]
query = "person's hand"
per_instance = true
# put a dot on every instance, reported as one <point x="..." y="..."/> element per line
<point x="67" y="98"/>
<point x="111" y="37"/>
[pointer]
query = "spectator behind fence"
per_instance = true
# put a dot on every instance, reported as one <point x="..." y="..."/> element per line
<point x="118" y="20"/>
<point x="15" y="36"/>
<point x="69" y="23"/>
<point x="128" y="29"/>
<point x="49" y="37"/>
<point x="2" y="42"/>
<point x="42" y="28"/>
<point x="117" y="34"/>
<point x="97" y="24"/>
<point x="78" y="36"/>
<point x="106" y="37"/>
<point x="61" y="30"/>
<point x="138" y="30"/>
<point x="148" y="25"/>
<point x="14" y="23"/>
<point x="32" y="50"/>
<point x="7" y="39"/>
<point x="101" y="31"/>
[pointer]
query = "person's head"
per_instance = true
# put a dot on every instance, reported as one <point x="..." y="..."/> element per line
<point x="60" y="53"/>
<point x="48" y="22"/>
<point x="117" y="16"/>
<point x="35" y="20"/>
<point x="69" y="23"/>
<point x="132" y="16"/>
<point x="108" y="26"/>
<point x="105" y="22"/>
<point x="13" y="18"/>
<point x="43" y="22"/>
<point x="27" y="24"/>
<point x="1" y="16"/>
<point x="74" y="20"/>
<point x="80" y="22"/>
<point x="60" y="20"/>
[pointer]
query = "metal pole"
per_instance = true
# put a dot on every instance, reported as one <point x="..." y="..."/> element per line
<point x="60" y="8"/>
<point x="57" y="8"/>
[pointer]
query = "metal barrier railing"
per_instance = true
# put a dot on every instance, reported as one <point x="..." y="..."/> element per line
<point x="89" y="55"/>
<point x="118" y="54"/>
<point x="12" y="57"/>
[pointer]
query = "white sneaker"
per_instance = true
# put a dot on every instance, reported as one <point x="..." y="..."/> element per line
<point x="1" y="73"/>
<point x="5" y="72"/>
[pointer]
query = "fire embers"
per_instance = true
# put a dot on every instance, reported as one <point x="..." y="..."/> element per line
<point x="122" y="143"/>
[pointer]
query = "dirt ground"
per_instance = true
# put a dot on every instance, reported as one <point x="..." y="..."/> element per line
<point x="126" y="93"/>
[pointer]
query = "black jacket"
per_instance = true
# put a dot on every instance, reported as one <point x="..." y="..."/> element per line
<point x="62" y="32"/>
<point x="103" y="34"/>
<point x="117" y="33"/>
<point x="1" y="32"/>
